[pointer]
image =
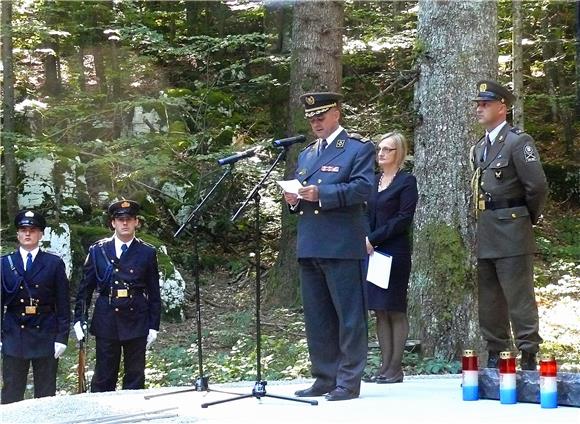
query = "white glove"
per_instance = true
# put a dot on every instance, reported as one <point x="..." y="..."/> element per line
<point x="79" y="331"/>
<point x="59" y="349"/>
<point x="151" y="337"/>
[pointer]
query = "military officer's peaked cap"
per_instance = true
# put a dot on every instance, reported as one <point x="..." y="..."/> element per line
<point x="319" y="103"/>
<point x="123" y="208"/>
<point x="490" y="91"/>
<point x="29" y="218"/>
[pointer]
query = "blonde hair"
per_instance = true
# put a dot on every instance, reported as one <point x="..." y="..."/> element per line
<point x="400" y="144"/>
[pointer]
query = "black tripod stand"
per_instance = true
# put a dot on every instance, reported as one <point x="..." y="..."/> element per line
<point x="202" y="381"/>
<point x="259" y="390"/>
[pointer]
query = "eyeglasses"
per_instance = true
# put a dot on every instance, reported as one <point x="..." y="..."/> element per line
<point x="386" y="150"/>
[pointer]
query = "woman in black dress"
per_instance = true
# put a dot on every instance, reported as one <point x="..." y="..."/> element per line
<point x="390" y="216"/>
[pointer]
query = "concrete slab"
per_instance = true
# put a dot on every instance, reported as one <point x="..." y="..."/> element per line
<point x="416" y="400"/>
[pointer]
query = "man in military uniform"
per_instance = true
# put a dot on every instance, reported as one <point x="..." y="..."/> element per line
<point x="510" y="192"/>
<point x="35" y="312"/>
<point x="123" y="270"/>
<point x="336" y="172"/>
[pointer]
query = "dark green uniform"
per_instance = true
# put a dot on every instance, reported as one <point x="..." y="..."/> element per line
<point x="510" y="188"/>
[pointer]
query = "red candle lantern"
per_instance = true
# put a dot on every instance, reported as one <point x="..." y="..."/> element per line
<point x="507" y="378"/>
<point x="548" y="382"/>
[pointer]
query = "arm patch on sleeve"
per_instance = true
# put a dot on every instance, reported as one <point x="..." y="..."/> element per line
<point x="530" y="154"/>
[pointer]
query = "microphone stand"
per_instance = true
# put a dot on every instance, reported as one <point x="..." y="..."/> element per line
<point x="202" y="382"/>
<point x="259" y="390"/>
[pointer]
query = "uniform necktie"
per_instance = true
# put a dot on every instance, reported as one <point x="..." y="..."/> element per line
<point x="123" y="249"/>
<point x="487" y="148"/>
<point x="323" y="144"/>
<point x="29" y="261"/>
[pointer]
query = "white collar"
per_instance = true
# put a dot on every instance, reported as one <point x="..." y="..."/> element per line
<point x="493" y="133"/>
<point x="119" y="243"/>
<point x="332" y="136"/>
<point x="24" y="253"/>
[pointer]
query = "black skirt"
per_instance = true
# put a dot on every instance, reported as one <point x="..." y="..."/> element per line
<point x="395" y="297"/>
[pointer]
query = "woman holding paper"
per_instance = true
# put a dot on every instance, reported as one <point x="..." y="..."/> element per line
<point x="390" y="211"/>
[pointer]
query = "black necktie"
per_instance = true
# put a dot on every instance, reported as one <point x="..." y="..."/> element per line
<point x="123" y="249"/>
<point x="29" y="261"/>
<point x="486" y="149"/>
<point x="323" y="144"/>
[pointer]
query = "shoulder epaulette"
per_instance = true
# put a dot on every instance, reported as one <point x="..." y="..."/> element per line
<point x="310" y="144"/>
<point x="101" y="241"/>
<point x="517" y="130"/>
<point x="358" y="137"/>
<point x="145" y="243"/>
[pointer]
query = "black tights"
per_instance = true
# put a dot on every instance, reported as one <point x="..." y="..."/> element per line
<point x="392" y="332"/>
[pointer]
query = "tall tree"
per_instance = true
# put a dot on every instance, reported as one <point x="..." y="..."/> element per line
<point x="578" y="60"/>
<point x="517" y="64"/>
<point x="316" y="65"/>
<point x="457" y="49"/>
<point x="8" y="111"/>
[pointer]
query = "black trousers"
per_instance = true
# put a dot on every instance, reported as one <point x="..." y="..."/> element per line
<point x="335" y="317"/>
<point x="15" y="373"/>
<point x="108" y="360"/>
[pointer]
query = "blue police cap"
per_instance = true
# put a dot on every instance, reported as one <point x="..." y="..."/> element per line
<point x="489" y="91"/>
<point x="29" y="218"/>
<point x="319" y="103"/>
<point x="123" y="208"/>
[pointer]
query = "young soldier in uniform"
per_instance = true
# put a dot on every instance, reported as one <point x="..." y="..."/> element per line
<point x="510" y="191"/>
<point x="336" y="172"/>
<point x="123" y="270"/>
<point x="35" y="312"/>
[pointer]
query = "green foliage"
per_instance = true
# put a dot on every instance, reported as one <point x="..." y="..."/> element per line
<point x="414" y="364"/>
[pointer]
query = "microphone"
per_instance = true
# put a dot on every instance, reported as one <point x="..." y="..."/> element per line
<point x="238" y="156"/>
<point x="285" y="142"/>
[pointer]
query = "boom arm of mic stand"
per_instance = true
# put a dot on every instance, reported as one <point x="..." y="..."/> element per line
<point x="204" y="200"/>
<point x="252" y="194"/>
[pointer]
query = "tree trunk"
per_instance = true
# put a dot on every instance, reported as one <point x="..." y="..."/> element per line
<point x="458" y="49"/>
<point x="100" y="70"/>
<point x="578" y="60"/>
<point x="517" y="64"/>
<point x="316" y="65"/>
<point x="8" y="111"/>
<point x="51" y="72"/>
<point x="82" y="79"/>
<point x="550" y="70"/>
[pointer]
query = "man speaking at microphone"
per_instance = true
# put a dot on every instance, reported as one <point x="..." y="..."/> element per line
<point x="336" y="173"/>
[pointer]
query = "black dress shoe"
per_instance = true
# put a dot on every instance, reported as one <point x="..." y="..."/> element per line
<point x="492" y="359"/>
<point x="528" y="361"/>
<point x="341" y="393"/>
<point x="397" y="378"/>
<point x="311" y="392"/>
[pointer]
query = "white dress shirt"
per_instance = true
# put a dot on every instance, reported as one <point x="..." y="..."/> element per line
<point x="119" y="243"/>
<point x="24" y="255"/>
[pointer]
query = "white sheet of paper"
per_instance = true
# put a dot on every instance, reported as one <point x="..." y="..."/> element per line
<point x="379" y="269"/>
<point x="290" y="186"/>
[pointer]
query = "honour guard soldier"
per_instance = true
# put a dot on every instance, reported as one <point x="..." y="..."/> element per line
<point x="509" y="189"/>
<point x="336" y="172"/>
<point x="35" y="312"/>
<point x="123" y="270"/>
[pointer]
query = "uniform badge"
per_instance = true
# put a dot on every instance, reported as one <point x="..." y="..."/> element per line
<point x="330" y="168"/>
<point x="530" y="154"/>
<point x="340" y="144"/>
<point x="302" y="172"/>
<point x="498" y="175"/>
<point x="125" y="204"/>
<point x="500" y="138"/>
<point x="29" y="214"/>
<point x="483" y="87"/>
<point x="310" y="100"/>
